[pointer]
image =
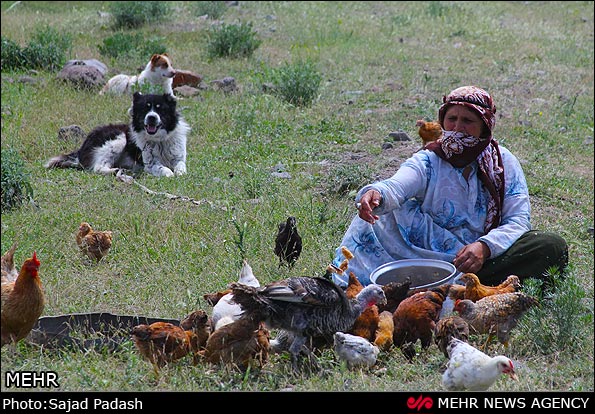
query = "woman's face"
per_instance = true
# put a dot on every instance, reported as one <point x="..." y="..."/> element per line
<point x="459" y="118"/>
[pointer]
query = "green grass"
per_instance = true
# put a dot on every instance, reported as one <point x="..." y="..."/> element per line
<point x="383" y="65"/>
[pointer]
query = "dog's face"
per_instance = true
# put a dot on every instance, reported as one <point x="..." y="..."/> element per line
<point x="153" y="113"/>
<point x="162" y="64"/>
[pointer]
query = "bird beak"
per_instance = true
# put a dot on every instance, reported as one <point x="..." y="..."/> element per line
<point x="513" y="376"/>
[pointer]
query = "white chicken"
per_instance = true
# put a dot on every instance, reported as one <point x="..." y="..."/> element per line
<point x="470" y="369"/>
<point x="225" y="310"/>
<point x="356" y="351"/>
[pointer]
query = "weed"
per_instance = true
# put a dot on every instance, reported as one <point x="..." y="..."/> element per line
<point x="349" y="177"/>
<point x="46" y="50"/>
<point x="232" y="40"/>
<point x="556" y="325"/>
<point x="134" y="14"/>
<point x="131" y="45"/>
<point x="16" y="185"/>
<point x="297" y="83"/>
<point x="213" y="9"/>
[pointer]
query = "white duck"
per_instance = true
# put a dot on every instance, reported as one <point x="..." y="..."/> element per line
<point x="225" y="311"/>
<point x="470" y="369"/>
<point x="356" y="351"/>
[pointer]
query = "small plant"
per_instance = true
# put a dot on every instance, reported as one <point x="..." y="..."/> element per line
<point x="118" y="45"/>
<point x="12" y="55"/>
<point x="232" y="40"/>
<point x="350" y="177"/>
<point x="127" y="44"/>
<point x="16" y="187"/>
<point x="297" y="83"/>
<point x="134" y="14"/>
<point x="239" y="240"/>
<point x="46" y="50"/>
<point x="213" y="9"/>
<point x="557" y="324"/>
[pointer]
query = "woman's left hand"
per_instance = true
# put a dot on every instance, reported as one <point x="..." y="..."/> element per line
<point x="471" y="257"/>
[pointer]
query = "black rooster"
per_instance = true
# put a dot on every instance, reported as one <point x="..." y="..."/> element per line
<point x="288" y="243"/>
<point x="304" y="306"/>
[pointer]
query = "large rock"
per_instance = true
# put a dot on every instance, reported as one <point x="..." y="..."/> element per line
<point x="84" y="74"/>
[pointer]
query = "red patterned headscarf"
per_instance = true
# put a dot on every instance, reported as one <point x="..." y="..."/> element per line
<point x="460" y="150"/>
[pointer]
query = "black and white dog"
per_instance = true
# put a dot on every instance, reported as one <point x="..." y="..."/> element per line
<point x="154" y="140"/>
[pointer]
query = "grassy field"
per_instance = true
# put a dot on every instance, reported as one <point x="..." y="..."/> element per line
<point x="383" y="65"/>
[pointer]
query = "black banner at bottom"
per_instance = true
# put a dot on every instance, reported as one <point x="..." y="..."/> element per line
<point x="400" y="402"/>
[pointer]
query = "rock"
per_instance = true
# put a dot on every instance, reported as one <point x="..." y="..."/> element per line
<point x="100" y="66"/>
<point x="186" y="77"/>
<point x="399" y="136"/>
<point x="71" y="133"/>
<point x="82" y="75"/>
<point x="227" y="84"/>
<point x="187" y="91"/>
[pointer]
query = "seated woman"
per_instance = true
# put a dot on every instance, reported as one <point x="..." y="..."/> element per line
<point x="462" y="199"/>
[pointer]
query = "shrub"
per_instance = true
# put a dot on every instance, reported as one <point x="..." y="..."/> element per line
<point x="348" y="177"/>
<point x="232" y="40"/>
<point x="213" y="9"/>
<point x="133" y="14"/>
<point x="297" y="83"/>
<point x="46" y="50"/>
<point x="126" y="44"/>
<point x="16" y="187"/>
<point x="556" y="325"/>
<point x="12" y="55"/>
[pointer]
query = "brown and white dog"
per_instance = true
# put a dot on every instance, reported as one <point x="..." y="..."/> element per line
<point x="159" y="72"/>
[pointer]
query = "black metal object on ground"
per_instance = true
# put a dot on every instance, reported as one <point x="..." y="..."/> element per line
<point x="100" y="330"/>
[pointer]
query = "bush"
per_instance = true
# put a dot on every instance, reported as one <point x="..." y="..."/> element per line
<point x="131" y="45"/>
<point x="213" y="9"/>
<point x="133" y="14"/>
<point x="233" y="41"/>
<point x="46" y="50"/>
<point x="297" y="83"/>
<point x="12" y="55"/>
<point x="16" y="187"/>
<point x="557" y="324"/>
<point x="347" y="178"/>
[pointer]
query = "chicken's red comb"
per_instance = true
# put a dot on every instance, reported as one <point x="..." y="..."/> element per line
<point x="35" y="259"/>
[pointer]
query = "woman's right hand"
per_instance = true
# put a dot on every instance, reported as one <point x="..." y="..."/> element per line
<point x="368" y="202"/>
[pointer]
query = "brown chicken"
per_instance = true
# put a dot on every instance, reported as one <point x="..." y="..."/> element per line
<point x="242" y="343"/>
<point x="415" y="318"/>
<point x="366" y="324"/>
<point x="354" y="286"/>
<point x="9" y="271"/>
<point x="456" y="292"/>
<point x="495" y="315"/>
<point x="395" y="292"/>
<point x="200" y="324"/>
<point x="23" y="301"/>
<point x="162" y="343"/>
<point x="452" y="326"/>
<point x="429" y="131"/>
<point x="94" y="244"/>
<point x="384" y="333"/>
<point x="474" y="290"/>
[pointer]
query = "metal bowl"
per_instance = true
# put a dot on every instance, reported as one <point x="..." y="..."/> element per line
<point x="424" y="273"/>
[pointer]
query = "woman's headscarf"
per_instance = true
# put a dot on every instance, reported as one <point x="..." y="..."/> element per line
<point x="461" y="150"/>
